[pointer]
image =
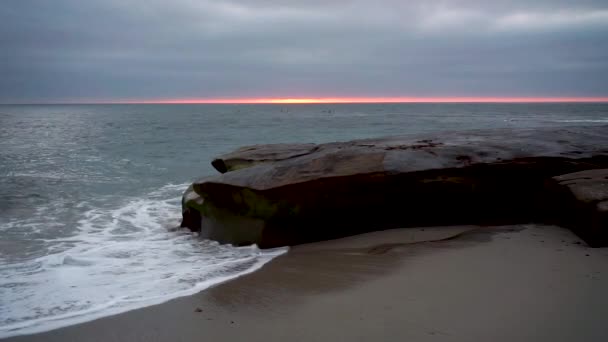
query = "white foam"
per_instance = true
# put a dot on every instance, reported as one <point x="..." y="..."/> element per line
<point x="120" y="259"/>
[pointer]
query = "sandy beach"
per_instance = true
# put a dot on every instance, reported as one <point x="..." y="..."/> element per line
<point x="510" y="283"/>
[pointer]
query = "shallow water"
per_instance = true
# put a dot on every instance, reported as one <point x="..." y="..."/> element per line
<point x="89" y="194"/>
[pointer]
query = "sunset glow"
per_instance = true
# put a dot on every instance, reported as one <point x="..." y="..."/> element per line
<point x="320" y="100"/>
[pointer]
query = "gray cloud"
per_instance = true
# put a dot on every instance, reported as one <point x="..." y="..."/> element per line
<point x="73" y="50"/>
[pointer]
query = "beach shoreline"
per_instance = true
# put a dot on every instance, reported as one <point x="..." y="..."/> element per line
<point x="509" y="283"/>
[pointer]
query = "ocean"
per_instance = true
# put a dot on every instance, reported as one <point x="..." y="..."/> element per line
<point x="90" y="194"/>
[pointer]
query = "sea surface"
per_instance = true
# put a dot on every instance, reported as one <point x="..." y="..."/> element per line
<point x="90" y="194"/>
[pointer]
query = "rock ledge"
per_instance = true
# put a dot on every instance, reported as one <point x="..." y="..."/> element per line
<point x="286" y="194"/>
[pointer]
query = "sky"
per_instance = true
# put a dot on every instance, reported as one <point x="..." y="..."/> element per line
<point x="202" y="50"/>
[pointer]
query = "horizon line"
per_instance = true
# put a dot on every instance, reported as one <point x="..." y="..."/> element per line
<point x="336" y="100"/>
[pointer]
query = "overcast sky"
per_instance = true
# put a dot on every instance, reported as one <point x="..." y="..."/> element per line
<point x="114" y="50"/>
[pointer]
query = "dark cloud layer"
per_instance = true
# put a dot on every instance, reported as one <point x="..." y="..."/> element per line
<point x="74" y="50"/>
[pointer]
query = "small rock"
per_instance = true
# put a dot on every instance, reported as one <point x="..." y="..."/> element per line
<point x="198" y="310"/>
<point x="581" y="203"/>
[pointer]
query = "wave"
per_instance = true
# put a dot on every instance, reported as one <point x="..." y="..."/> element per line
<point x="119" y="259"/>
<point x="584" y="120"/>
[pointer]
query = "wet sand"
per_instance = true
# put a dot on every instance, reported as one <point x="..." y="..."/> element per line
<point x="512" y="283"/>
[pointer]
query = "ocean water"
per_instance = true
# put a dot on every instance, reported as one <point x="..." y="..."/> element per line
<point x="90" y="194"/>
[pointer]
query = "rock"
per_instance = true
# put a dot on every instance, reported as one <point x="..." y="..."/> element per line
<point x="288" y="194"/>
<point x="589" y="186"/>
<point x="579" y="201"/>
<point x="253" y="155"/>
<point x="192" y="205"/>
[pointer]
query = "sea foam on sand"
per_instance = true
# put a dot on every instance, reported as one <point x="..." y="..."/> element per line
<point x="119" y="259"/>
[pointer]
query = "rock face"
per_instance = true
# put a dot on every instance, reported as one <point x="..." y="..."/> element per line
<point x="287" y="194"/>
<point x="580" y="202"/>
<point x="192" y="205"/>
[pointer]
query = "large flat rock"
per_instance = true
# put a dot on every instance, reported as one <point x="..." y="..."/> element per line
<point x="294" y="163"/>
<point x="302" y="193"/>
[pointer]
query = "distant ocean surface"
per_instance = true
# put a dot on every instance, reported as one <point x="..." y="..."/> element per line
<point x="89" y="194"/>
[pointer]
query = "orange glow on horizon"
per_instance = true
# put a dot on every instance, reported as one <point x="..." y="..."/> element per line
<point x="329" y="100"/>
